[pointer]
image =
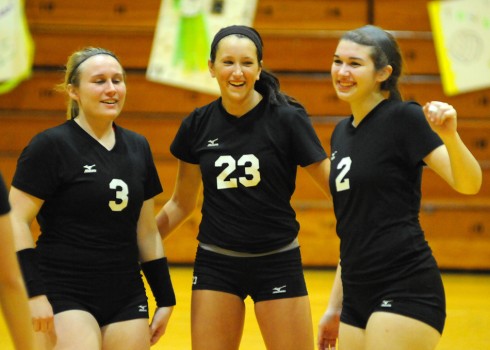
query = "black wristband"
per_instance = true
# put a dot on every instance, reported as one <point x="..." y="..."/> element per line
<point x="30" y="271"/>
<point x="158" y="277"/>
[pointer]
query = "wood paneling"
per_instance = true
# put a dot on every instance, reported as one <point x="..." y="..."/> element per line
<point x="310" y="14"/>
<point x="402" y="15"/>
<point x="315" y="91"/>
<point x="300" y="38"/>
<point x="95" y="13"/>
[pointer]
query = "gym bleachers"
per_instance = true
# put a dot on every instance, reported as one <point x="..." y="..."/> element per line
<point x="299" y="40"/>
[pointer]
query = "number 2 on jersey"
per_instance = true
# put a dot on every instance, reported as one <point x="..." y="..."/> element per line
<point x="342" y="183"/>
<point x="248" y="161"/>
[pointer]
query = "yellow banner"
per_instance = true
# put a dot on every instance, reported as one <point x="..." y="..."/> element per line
<point x="16" y="45"/>
<point x="461" y="31"/>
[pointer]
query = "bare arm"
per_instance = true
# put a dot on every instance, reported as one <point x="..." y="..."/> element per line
<point x="24" y="209"/>
<point x="151" y="251"/>
<point x="328" y="328"/>
<point x="320" y="171"/>
<point x="13" y="295"/>
<point x="150" y="245"/>
<point x="452" y="161"/>
<point x="183" y="201"/>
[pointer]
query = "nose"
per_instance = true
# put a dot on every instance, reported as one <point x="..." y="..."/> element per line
<point x="111" y="88"/>
<point x="237" y="70"/>
<point x="344" y="69"/>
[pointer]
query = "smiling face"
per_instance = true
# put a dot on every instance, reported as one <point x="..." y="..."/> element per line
<point x="102" y="89"/>
<point x="236" y="68"/>
<point x="354" y="76"/>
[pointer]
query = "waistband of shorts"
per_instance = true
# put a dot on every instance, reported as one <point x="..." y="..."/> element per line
<point x="215" y="249"/>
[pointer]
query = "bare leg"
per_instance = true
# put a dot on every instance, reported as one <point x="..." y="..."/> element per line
<point x="76" y="330"/>
<point x="286" y="323"/>
<point x="217" y="320"/>
<point x="388" y="331"/>
<point x="350" y="337"/>
<point x="129" y="335"/>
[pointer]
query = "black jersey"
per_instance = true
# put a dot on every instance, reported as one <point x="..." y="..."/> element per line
<point x="375" y="182"/>
<point x="92" y="196"/>
<point x="248" y="167"/>
<point x="4" y="202"/>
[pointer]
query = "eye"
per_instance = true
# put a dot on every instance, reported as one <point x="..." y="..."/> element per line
<point x="337" y="62"/>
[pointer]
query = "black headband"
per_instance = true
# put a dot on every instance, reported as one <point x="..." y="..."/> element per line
<point x="249" y="32"/>
<point x="95" y="53"/>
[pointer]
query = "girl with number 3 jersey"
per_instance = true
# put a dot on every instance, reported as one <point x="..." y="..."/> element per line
<point x="91" y="184"/>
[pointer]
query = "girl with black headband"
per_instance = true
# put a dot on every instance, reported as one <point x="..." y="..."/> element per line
<point x="245" y="148"/>
<point x="91" y="184"/>
<point x="388" y="291"/>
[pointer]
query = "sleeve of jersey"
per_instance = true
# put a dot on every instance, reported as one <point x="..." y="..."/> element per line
<point x="306" y="146"/>
<point x="37" y="168"/>
<point x="153" y="186"/>
<point x="182" y="145"/>
<point x="418" y="137"/>
<point x="4" y="202"/>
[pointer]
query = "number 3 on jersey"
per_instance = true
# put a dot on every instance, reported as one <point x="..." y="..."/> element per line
<point x="121" y="194"/>
<point x="226" y="180"/>
<point x="342" y="183"/>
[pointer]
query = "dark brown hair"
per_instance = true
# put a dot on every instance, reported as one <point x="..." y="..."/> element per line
<point x="385" y="51"/>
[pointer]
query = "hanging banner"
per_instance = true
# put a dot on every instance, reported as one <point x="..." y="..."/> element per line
<point x="183" y="36"/>
<point x="461" y="31"/>
<point x="16" y="45"/>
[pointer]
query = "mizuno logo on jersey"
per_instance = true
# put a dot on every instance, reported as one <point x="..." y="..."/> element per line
<point x="278" y="290"/>
<point x="89" y="169"/>
<point x="142" y="308"/>
<point x="386" y="303"/>
<point x="213" y="143"/>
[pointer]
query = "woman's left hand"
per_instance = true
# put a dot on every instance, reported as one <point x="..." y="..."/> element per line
<point x="442" y="117"/>
<point x="159" y="323"/>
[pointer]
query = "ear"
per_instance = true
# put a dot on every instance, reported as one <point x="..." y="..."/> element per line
<point x="384" y="73"/>
<point x="72" y="92"/>
<point x="260" y="70"/>
<point x="211" y="69"/>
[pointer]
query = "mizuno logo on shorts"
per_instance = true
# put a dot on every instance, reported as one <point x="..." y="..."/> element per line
<point x="278" y="290"/>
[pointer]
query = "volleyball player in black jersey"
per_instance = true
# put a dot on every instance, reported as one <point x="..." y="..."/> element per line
<point x="245" y="148"/>
<point x="91" y="184"/>
<point x="393" y="296"/>
<point x="13" y="296"/>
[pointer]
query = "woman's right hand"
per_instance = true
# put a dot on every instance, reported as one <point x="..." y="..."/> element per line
<point x="328" y="330"/>
<point x="42" y="314"/>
